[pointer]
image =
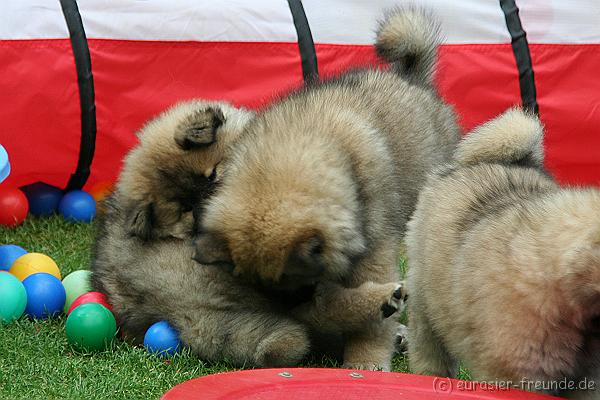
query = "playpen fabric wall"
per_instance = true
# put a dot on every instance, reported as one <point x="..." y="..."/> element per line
<point x="147" y="55"/>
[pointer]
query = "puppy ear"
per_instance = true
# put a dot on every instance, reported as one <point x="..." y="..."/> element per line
<point x="140" y="222"/>
<point x="199" y="129"/>
<point x="211" y="249"/>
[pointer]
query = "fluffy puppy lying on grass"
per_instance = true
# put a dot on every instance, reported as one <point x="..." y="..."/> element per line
<point x="143" y="254"/>
<point x="504" y="266"/>
<point x="319" y="187"/>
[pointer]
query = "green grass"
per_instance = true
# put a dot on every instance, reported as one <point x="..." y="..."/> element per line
<point x="36" y="362"/>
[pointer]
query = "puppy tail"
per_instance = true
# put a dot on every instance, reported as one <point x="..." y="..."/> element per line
<point x="515" y="138"/>
<point x="408" y="39"/>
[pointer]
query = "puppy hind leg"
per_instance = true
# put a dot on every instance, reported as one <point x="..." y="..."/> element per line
<point x="246" y="337"/>
<point x="426" y="353"/>
<point x="372" y="345"/>
<point x="373" y="348"/>
<point x="285" y="344"/>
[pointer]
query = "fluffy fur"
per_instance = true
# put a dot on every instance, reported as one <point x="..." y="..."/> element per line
<point x="408" y="40"/>
<point x="504" y="265"/>
<point x="173" y="167"/>
<point x="151" y="275"/>
<point x="143" y="254"/>
<point x="319" y="187"/>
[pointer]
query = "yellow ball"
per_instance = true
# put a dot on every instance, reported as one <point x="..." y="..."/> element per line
<point x="32" y="263"/>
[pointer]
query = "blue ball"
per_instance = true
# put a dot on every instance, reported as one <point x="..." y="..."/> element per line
<point x="4" y="164"/>
<point x="162" y="339"/>
<point x="43" y="198"/>
<point x="45" y="295"/>
<point x="78" y="206"/>
<point x="8" y="254"/>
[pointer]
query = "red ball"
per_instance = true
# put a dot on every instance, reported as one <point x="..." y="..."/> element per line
<point x="13" y="206"/>
<point x="90" y="297"/>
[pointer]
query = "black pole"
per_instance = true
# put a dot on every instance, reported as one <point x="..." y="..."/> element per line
<point x="308" y="55"/>
<point x="85" y="81"/>
<point x="522" y="56"/>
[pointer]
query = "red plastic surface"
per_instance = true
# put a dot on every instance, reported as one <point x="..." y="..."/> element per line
<point x="336" y="384"/>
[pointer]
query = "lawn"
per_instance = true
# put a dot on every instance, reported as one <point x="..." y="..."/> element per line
<point x="36" y="362"/>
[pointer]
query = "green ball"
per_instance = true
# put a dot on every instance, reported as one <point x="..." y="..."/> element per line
<point x="76" y="284"/>
<point x="14" y="298"/>
<point x="90" y="327"/>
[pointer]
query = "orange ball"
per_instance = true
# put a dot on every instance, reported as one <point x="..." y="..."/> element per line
<point x="101" y="190"/>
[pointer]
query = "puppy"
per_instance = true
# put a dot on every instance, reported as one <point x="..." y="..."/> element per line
<point x="504" y="265"/>
<point x="143" y="253"/>
<point x="319" y="187"/>
<point x="173" y="167"/>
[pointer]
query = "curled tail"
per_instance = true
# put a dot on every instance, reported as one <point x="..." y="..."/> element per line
<point x="514" y="137"/>
<point x="408" y="38"/>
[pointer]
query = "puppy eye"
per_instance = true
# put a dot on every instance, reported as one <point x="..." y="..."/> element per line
<point x="213" y="175"/>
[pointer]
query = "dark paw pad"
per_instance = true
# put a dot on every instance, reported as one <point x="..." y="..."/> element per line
<point x="388" y="310"/>
<point x="398" y="293"/>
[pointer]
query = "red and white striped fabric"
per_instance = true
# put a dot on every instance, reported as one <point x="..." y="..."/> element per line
<point x="147" y="55"/>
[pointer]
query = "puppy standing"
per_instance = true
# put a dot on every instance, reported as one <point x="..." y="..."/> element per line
<point x="143" y="254"/>
<point x="319" y="187"/>
<point x="504" y="265"/>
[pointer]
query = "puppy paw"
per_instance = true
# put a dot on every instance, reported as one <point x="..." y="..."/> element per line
<point x="367" y="366"/>
<point x="394" y="299"/>
<point x="401" y="343"/>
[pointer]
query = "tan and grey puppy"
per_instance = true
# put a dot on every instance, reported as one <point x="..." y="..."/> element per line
<point x="144" y="264"/>
<point x="319" y="187"/>
<point x="504" y="265"/>
<point x="173" y="166"/>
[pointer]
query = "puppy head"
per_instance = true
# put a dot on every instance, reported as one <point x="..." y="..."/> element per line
<point x="283" y="214"/>
<point x="174" y="167"/>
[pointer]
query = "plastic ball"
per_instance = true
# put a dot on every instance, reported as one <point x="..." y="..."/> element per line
<point x="90" y="327"/>
<point x="14" y="298"/>
<point x="4" y="164"/>
<point x="32" y="263"/>
<point x="43" y="198"/>
<point x="8" y="254"/>
<point x="101" y="190"/>
<point x="45" y="295"/>
<point x="13" y="206"/>
<point x="90" y="297"/>
<point x="76" y="284"/>
<point x="162" y="339"/>
<point x="78" y="206"/>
